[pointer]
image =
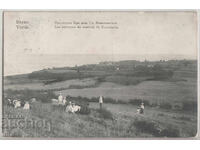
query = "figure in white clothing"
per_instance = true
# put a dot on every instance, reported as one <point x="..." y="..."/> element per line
<point x="64" y="101"/>
<point x="26" y="106"/>
<point x="60" y="99"/>
<point x="100" y="102"/>
<point x="17" y="103"/>
<point x="140" y="109"/>
<point x="69" y="108"/>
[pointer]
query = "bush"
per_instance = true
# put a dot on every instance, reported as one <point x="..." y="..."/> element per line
<point x="166" y="105"/>
<point x="105" y="114"/>
<point x="84" y="110"/>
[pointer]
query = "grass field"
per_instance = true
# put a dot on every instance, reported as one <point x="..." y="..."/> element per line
<point x="170" y="102"/>
<point x="120" y="124"/>
<point x="81" y="83"/>
<point x="152" y="91"/>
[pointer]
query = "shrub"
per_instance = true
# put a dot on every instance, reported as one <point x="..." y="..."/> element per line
<point x="105" y="114"/>
<point x="84" y="110"/>
<point x="166" y="105"/>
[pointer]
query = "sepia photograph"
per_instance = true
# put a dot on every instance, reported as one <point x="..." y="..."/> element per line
<point x="100" y="74"/>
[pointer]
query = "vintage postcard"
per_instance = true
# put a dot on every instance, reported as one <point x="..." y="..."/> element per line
<point x="99" y="74"/>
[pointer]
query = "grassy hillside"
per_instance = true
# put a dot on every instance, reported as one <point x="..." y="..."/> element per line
<point x="123" y="72"/>
<point x="167" y="88"/>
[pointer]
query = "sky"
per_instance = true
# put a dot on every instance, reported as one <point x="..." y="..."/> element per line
<point x="165" y="34"/>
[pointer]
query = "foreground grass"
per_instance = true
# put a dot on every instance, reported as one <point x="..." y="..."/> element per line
<point x="98" y="123"/>
<point x="68" y="125"/>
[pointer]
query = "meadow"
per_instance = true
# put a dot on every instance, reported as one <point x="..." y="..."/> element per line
<point x="115" y="121"/>
<point x="168" y="90"/>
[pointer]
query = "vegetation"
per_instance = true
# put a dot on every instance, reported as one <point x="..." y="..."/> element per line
<point x="137" y="102"/>
<point x="123" y="72"/>
<point x="170" y="131"/>
<point x="118" y="118"/>
<point x="165" y="105"/>
<point x="26" y="95"/>
<point x="146" y="126"/>
<point x="125" y="80"/>
<point x="85" y="110"/>
<point x="46" y="96"/>
<point x="50" y="77"/>
<point x="190" y="106"/>
<point x="106" y="114"/>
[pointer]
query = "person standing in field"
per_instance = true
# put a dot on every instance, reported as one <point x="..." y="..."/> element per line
<point x="142" y="108"/>
<point x="60" y="99"/>
<point x="64" y="101"/>
<point x="100" y="102"/>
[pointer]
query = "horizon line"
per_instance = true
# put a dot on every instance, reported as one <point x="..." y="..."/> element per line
<point x="99" y="63"/>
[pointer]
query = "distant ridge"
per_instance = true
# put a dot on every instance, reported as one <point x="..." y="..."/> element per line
<point x="54" y="64"/>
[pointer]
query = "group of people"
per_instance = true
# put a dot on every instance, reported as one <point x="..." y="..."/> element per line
<point x="69" y="106"/>
<point x="72" y="108"/>
<point x="62" y="101"/>
<point x="17" y="104"/>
